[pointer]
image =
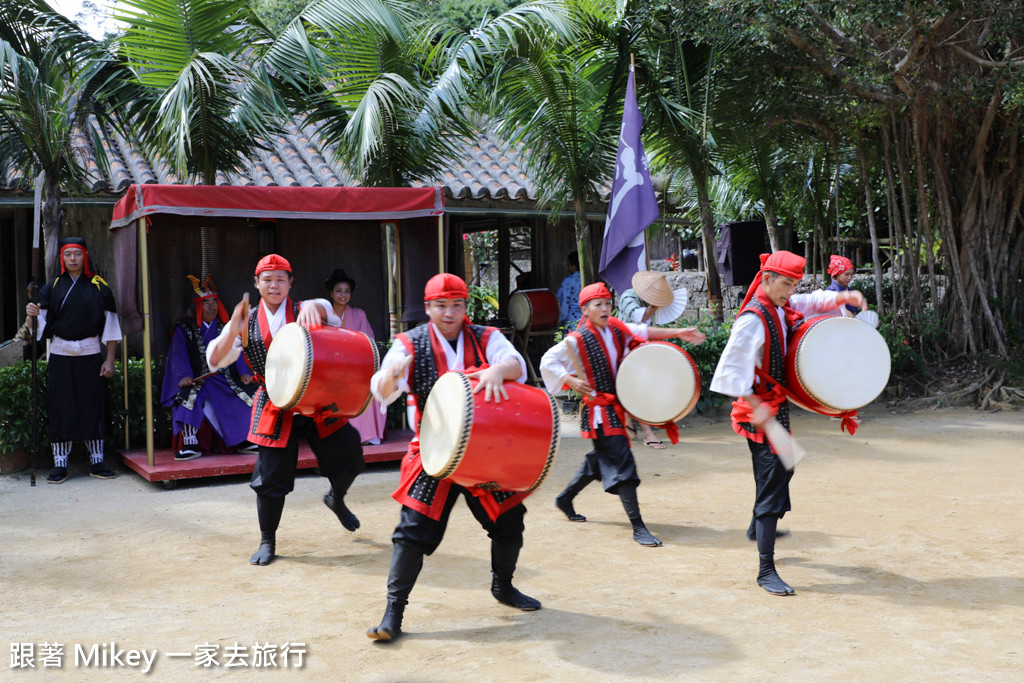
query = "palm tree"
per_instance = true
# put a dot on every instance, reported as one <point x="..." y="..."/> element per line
<point x="190" y="59"/>
<point x="53" y="76"/>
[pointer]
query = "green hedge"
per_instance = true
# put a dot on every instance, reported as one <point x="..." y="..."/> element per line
<point x="16" y="412"/>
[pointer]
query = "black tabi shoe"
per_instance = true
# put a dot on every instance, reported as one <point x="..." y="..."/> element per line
<point x="645" y="538"/>
<point x="58" y="476"/>
<point x="337" y="506"/>
<point x="266" y="553"/>
<point x="769" y="579"/>
<point x="507" y="594"/>
<point x="390" y="626"/>
<point x="188" y="453"/>
<point x="565" y="505"/>
<point x="101" y="471"/>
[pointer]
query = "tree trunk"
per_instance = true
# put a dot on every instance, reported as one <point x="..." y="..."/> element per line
<point x="876" y="256"/>
<point x="587" y="271"/>
<point x="50" y="220"/>
<point x="707" y="222"/>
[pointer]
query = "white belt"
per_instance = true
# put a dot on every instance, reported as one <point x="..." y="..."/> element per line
<point x="81" y="347"/>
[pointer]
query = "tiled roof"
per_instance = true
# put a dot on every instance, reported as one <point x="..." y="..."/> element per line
<point x="487" y="170"/>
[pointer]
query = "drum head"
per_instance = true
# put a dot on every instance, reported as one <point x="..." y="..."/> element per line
<point x="289" y="365"/>
<point x="843" y="363"/>
<point x="656" y="383"/>
<point x="520" y="310"/>
<point x="445" y="426"/>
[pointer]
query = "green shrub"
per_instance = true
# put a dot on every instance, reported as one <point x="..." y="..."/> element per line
<point x="706" y="357"/>
<point x="16" y="413"/>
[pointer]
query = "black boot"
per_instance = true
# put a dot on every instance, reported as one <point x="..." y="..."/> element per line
<point x="767" y="577"/>
<point x="752" y="532"/>
<point x="406" y="562"/>
<point x="335" y="500"/>
<point x="269" y="512"/>
<point x="627" y="494"/>
<point x="563" y="501"/>
<point x="504" y="557"/>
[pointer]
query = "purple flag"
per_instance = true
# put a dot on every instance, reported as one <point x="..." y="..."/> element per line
<point x="633" y="204"/>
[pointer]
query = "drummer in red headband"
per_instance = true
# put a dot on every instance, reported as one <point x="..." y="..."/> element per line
<point x="333" y="440"/>
<point x="413" y="364"/>
<point x="769" y="312"/>
<point x="601" y="342"/>
<point x="840" y="269"/>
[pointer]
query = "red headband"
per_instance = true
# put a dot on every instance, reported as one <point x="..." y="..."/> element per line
<point x="785" y="263"/>
<point x="445" y="286"/>
<point x="85" y="262"/>
<point x="839" y="264"/>
<point x="598" y="290"/>
<point x="273" y="262"/>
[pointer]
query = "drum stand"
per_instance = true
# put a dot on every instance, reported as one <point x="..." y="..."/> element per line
<point x="524" y="337"/>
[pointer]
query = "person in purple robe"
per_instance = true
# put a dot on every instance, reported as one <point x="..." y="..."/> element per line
<point x="340" y="286"/>
<point x="210" y="414"/>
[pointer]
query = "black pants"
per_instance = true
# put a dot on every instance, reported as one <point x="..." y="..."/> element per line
<point x="337" y="454"/>
<point x="76" y="397"/>
<point x="772" y="481"/>
<point x="611" y="462"/>
<point x="425" y="533"/>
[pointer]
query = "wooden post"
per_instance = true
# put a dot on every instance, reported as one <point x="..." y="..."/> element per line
<point x="504" y="264"/>
<point x="147" y="346"/>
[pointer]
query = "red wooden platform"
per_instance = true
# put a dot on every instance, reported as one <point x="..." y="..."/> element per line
<point x="168" y="470"/>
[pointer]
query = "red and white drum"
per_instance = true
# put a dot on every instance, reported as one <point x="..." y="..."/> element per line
<point x="476" y="443"/>
<point x="533" y="309"/>
<point x="836" y="364"/>
<point x="658" y="382"/>
<point x="323" y="369"/>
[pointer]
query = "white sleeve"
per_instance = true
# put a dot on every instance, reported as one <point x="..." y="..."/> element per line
<point x="41" y="324"/>
<point x="111" y="328"/>
<point x="818" y="302"/>
<point x="734" y="375"/>
<point x="332" y="318"/>
<point x="500" y="349"/>
<point x="555" y="364"/>
<point x="639" y="331"/>
<point x="396" y="354"/>
<point x="232" y="353"/>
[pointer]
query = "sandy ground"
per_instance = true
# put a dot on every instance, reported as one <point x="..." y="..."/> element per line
<point x="905" y="553"/>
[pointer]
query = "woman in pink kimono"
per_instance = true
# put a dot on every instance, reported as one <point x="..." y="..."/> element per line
<point x="340" y="286"/>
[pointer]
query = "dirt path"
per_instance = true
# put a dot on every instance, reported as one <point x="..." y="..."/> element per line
<point x="905" y="554"/>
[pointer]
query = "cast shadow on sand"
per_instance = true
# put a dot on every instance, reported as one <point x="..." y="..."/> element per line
<point x="582" y="639"/>
<point x="974" y="592"/>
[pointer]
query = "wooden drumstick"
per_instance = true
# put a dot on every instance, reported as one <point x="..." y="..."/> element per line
<point x="245" y="315"/>
<point x="575" y="361"/>
<point x="783" y="444"/>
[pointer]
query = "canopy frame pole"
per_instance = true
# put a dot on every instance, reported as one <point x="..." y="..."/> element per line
<point x="127" y="408"/>
<point x="147" y="347"/>
<point x="440" y="243"/>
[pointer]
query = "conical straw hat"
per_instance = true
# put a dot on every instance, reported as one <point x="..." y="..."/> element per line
<point x="652" y="287"/>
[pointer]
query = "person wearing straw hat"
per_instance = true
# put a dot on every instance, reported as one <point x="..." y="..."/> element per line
<point x="651" y="300"/>
<point x="587" y="361"/>
<point x="755" y="353"/>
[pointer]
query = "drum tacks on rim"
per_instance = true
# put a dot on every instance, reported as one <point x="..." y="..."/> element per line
<point x="658" y="382"/>
<point x="509" y="445"/>
<point x="326" y="369"/>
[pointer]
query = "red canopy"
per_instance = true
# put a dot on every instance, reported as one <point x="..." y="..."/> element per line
<point x="324" y="203"/>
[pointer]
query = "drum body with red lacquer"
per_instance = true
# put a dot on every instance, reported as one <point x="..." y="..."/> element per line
<point x="326" y="369"/>
<point x="509" y="445"/>
<point x="533" y="309"/>
<point x="836" y="364"/>
<point x="658" y="382"/>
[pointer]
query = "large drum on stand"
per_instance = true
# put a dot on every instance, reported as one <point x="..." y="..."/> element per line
<point x="533" y="309"/>
<point x="836" y="364"/>
<point x="509" y="445"/>
<point x="326" y="369"/>
<point x="658" y="382"/>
